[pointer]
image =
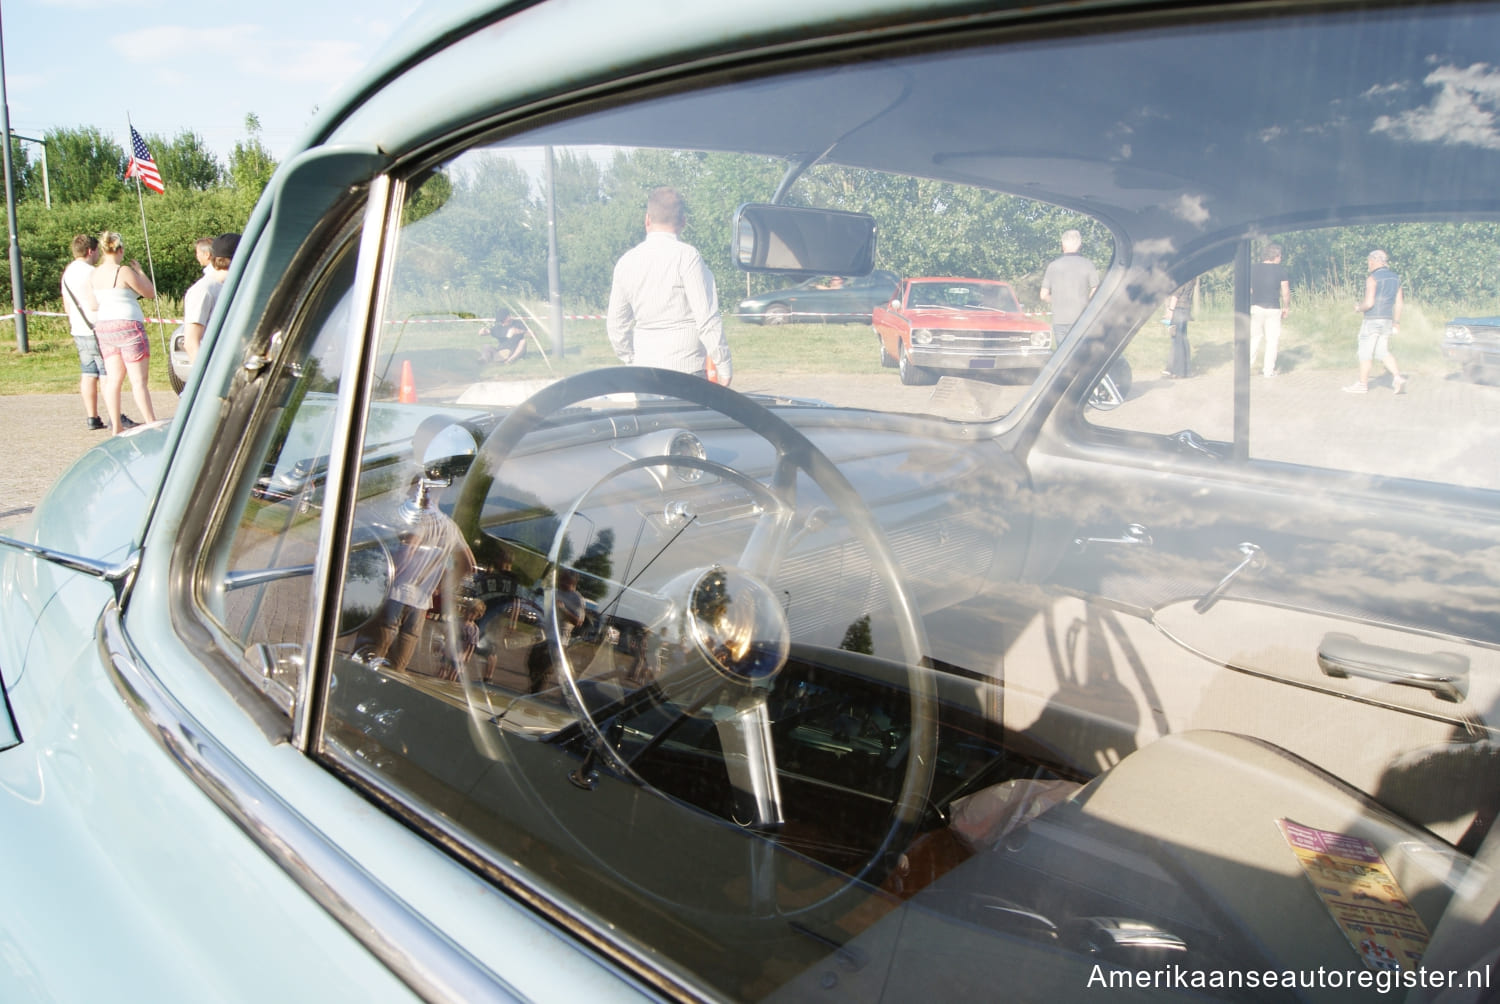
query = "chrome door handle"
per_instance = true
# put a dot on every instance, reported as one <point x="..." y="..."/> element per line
<point x="1253" y="558"/>
<point x="1134" y="534"/>
<point x="1444" y="674"/>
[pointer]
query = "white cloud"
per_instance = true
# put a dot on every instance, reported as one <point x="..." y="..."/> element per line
<point x="1462" y="113"/>
<point x="1191" y="209"/>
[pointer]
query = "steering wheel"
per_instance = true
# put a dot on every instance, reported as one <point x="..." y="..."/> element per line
<point x="738" y="637"/>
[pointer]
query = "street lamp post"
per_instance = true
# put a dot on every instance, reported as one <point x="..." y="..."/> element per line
<point x="17" y="294"/>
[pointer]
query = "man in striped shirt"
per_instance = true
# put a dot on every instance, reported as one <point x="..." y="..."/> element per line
<point x="663" y="307"/>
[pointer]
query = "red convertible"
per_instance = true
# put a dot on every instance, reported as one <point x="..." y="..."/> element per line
<point x="958" y="324"/>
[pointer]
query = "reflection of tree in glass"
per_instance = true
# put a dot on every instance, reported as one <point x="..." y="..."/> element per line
<point x="597" y="564"/>
<point x="857" y="638"/>
<point x="430" y="193"/>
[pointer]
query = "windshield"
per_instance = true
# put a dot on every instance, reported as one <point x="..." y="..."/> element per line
<point x="472" y="317"/>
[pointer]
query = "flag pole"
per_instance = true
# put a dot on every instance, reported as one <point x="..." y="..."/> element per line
<point x="161" y="328"/>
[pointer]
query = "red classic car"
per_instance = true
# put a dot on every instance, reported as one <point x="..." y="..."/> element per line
<point x="958" y="324"/>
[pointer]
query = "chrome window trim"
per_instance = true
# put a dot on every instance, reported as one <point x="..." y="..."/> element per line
<point x="348" y="428"/>
<point x="421" y="956"/>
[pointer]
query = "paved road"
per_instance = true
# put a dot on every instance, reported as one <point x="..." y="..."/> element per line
<point x="43" y="435"/>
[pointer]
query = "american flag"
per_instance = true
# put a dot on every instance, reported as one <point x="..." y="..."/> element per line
<point x="141" y="165"/>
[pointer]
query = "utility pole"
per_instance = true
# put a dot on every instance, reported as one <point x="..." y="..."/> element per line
<point x="17" y="294"/>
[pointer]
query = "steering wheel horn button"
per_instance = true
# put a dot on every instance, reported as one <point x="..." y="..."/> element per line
<point x="738" y="625"/>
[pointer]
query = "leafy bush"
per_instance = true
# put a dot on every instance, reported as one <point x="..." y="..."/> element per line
<point x="175" y="220"/>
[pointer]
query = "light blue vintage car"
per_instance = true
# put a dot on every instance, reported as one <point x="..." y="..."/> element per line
<point x="387" y="671"/>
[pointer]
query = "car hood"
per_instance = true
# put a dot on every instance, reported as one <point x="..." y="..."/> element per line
<point x="97" y="509"/>
<point x="976" y="319"/>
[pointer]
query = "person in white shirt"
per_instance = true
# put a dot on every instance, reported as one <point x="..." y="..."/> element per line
<point x="203" y="250"/>
<point x="663" y="306"/>
<point x="75" y="290"/>
<point x="198" y="303"/>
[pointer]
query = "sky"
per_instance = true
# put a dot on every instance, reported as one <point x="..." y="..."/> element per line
<point x="173" y="65"/>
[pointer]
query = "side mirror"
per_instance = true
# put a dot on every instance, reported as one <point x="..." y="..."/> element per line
<point x="449" y="454"/>
<point x="446" y="455"/>
<point x="798" y="241"/>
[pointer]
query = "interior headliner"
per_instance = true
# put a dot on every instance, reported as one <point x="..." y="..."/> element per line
<point x="1173" y="161"/>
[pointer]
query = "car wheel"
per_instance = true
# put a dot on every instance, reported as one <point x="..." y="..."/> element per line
<point x="716" y="589"/>
<point x="1113" y="387"/>
<point x="913" y="375"/>
<point x="885" y="357"/>
<point x="177" y="361"/>
<point x="776" y="313"/>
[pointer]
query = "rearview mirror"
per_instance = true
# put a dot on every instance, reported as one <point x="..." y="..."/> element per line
<point x="798" y="241"/>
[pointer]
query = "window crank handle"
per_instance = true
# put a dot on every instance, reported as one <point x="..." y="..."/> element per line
<point x="1134" y="534"/>
<point x="1253" y="558"/>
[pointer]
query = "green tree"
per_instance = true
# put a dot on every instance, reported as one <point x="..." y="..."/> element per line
<point x="186" y="162"/>
<point x="25" y="174"/>
<point x="250" y="163"/>
<point x="84" y="165"/>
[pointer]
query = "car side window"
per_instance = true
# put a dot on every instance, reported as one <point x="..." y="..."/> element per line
<point x="1396" y="383"/>
<point x="260" y="588"/>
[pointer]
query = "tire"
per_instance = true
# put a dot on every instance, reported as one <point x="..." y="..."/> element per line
<point x="886" y="361"/>
<point x="178" y="380"/>
<point x="776" y="313"/>
<point x="911" y="374"/>
<point x="1112" y="388"/>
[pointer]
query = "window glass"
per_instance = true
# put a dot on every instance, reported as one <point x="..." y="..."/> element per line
<point x="1399" y="384"/>
<point x="471" y="297"/>
<point x="864" y="672"/>
<point x="262" y="593"/>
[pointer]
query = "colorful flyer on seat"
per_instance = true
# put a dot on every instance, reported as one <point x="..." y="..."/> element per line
<point x="1361" y="894"/>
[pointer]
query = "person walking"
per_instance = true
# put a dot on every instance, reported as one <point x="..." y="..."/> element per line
<point x="1270" y="302"/>
<point x="1068" y="284"/>
<point x="1381" y="306"/>
<point x="115" y="289"/>
<point x="663" y="304"/>
<point x="75" y="290"/>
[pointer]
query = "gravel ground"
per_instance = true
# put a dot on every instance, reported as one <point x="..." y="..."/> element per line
<point x="43" y="435"/>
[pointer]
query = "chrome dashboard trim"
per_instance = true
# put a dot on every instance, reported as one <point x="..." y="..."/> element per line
<point x="421" y="956"/>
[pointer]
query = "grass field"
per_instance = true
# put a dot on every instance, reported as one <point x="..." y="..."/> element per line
<point x="51" y="364"/>
<point x="1319" y="334"/>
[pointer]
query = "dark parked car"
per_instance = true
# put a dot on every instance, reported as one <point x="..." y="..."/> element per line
<point x="1474" y="343"/>
<point x="830" y="299"/>
<point x="868" y="692"/>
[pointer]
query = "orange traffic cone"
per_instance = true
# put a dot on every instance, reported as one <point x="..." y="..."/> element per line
<point x="408" y="392"/>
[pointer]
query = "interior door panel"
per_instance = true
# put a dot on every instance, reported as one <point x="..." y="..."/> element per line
<point x="1348" y="626"/>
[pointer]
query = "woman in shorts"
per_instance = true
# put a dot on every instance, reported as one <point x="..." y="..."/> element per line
<point x="120" y="328"/>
